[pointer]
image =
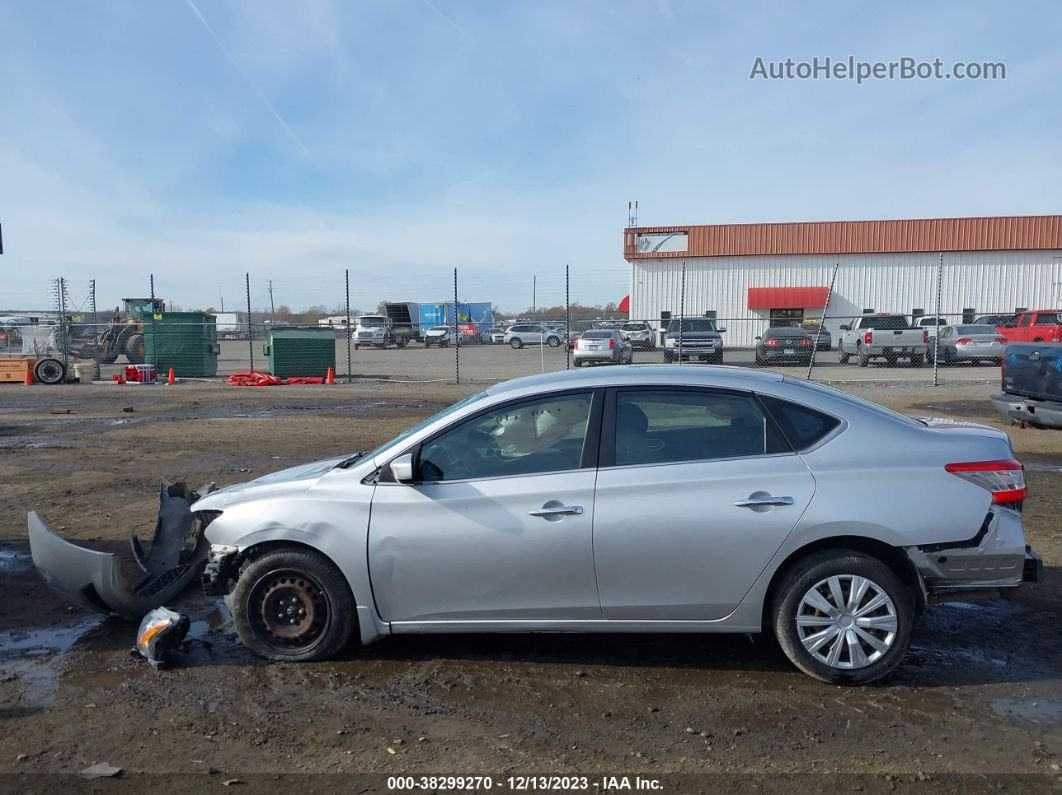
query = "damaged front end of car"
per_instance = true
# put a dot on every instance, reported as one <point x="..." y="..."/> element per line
<point x="106" y="582"/>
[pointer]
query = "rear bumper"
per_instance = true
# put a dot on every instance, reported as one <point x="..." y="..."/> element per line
<point x="994" y="557"/>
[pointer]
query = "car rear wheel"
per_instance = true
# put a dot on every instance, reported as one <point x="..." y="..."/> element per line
<point x="842" y="358"/>
<point x="863" y="358"/>
<point x="293" y="604"/>
<point x="553" y="342"/>
<point x="843" y="617"/>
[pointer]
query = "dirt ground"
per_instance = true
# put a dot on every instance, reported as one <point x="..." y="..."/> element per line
<point x="976" y="705"/>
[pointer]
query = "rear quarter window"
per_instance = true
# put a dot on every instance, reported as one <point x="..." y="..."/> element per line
<point x="803" y="427"/>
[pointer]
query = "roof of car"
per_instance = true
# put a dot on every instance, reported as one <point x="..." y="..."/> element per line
<point x="634" y="374"/>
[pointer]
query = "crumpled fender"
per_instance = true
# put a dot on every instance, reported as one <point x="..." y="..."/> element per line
<point x="95" y="580"/>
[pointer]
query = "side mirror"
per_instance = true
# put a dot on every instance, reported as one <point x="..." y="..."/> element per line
<point x="759" y="338"/>
<point x="846" y="328"/>
<point x="402" y="468"/>
<point x="722" y="330"/>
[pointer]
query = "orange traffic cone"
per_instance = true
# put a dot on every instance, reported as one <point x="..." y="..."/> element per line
<point x="29" y="374"/>
<point x="171" y="379"/>
<point x="330" y="376"/>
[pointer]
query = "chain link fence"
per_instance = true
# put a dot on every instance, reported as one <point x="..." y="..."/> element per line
<point x="479" y="326"/>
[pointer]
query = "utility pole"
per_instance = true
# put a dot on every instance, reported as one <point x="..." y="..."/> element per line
<point x="272" y="309"/>
<point x="534" y="300"/>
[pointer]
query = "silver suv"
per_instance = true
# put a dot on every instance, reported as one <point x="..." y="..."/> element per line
<point x="640" y="334"/>
<point x="532" y="334"/>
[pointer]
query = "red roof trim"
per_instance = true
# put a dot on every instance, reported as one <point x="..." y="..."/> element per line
<point x="788" y="297"/>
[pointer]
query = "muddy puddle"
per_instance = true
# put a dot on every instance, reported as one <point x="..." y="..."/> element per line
<point x="14" y="561"/>
<point x="35" y="658"/>
<point x="1029" y="711"/>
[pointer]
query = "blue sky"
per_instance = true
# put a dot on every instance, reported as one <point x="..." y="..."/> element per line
<point x="202" y="140"/>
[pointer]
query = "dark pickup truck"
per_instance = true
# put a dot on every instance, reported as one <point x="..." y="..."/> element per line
<point x="1032" y="384"/>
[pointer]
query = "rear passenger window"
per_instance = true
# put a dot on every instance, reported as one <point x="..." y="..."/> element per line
<point x="669" y="426"/>
<point x="802" y="426"/>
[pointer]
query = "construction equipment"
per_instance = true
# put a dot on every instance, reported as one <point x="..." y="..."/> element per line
<point x="126" y="336"/>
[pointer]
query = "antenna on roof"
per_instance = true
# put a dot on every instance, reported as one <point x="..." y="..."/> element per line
<point x="632" y="213"/>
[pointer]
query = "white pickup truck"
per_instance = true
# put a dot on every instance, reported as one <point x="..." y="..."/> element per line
<point x="885" y="336"/>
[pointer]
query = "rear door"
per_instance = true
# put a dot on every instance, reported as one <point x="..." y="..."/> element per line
<point x="695" y="493"/>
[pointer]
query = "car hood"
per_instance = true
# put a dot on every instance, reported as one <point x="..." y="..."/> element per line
<point x="283" y="482"/>
<point x="695" y="335"/>
<point x="434" y="333"/>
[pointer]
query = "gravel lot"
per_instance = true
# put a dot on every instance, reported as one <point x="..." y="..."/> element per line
<point x="977" y="704"/>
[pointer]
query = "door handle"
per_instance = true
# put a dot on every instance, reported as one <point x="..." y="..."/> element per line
<point x="756" y="502"/>
<point x="559" y="510"/>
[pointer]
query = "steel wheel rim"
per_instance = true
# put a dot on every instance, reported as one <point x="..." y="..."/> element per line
<point x="291" y="610"/>
<point x="847" y="622"/>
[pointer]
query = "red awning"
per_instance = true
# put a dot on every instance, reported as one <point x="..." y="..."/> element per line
<point x="787" y="297"/>
<point x="624" y="305"/>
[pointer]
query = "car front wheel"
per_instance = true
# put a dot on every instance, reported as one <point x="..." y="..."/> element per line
<point x="843" y="617"/>
<point x="516" y="343"/>
<point x="293" y="604"/>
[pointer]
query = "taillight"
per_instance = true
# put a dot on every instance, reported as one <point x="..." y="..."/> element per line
<point x="925" y="336"/>
<point x="963" y="341"/>
<point x="805" y="342"/>
<point x="1005" y="479"/>
<point x="576" y="347"/>
<point x="611" y="343"/>
<point x="868" y="337"/>
<point x="771" y="343"/>
<point x="1001" y="340"/>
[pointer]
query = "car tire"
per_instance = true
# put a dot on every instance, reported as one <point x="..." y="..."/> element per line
<point x="669" y="357"/>
<point x="553" y="342"/>
<point x="577" y="362"/>
<point x="290" y="579"/>
<point x="918" y="360"/>
<point x="813" y="579"/>
<point x="862" y="358"/>
<point x="516" y="343"/>
<point x="842" y="358"/>
<point x="356" y="346"/>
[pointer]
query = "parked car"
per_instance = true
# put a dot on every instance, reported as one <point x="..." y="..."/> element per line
<point x="640" y="334"/>
<point x="440" y="337"/>
<point x="999" y="321"/>
<point x="820" y="333"/>
<point x="968" y="343"/>
<point x="931" y="324"/>
<point x="630" y="499"/>
<point x="602" y="346"/>
<point x="784" y="345"/>
<point x="1036" y="325"/>
<point x="496" y="336"/>
<point x="531" y="334"/>
<point x="694" y="338"/>
<point x="883" y="335"/>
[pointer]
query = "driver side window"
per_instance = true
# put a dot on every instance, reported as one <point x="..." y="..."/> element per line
<point x="525" y="438"/>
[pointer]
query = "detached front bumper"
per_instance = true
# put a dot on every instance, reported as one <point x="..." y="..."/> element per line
<point x="1033" y="570"/>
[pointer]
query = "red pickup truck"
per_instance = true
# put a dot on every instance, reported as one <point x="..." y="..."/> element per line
<point x="1035" y="325"/>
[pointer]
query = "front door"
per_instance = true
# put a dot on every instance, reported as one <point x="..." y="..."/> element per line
<point x="498" y="523"/>
<point x="696" y="493"/>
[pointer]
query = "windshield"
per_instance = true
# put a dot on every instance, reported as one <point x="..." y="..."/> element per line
<point x="634" y="327"/>
<point x="370" y="322"/>
<point x="976" y="330"/>
<point x="439" y="328"/>
<point x="425" y="423"/>
<point x="691" y="324"/>
<point x="858" y="401"/>
<point x="597" y="335"/>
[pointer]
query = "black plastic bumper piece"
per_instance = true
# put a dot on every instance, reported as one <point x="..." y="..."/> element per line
<point x="1033" y="570"/>
<point x="219" y="572"/>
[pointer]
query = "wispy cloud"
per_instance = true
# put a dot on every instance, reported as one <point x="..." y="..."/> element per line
<point x="259" y="94"/>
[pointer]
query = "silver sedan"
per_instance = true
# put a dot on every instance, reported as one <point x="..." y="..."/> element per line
<point x="602" y="346"/>
<point x="968" y="343"/>
<point x="631" y="499"/>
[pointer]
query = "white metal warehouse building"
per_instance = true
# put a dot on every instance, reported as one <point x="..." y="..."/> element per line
<point x="750" y="276"/>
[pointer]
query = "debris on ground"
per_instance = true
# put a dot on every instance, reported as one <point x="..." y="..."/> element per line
<point x="100" y="770"/>
<point x="160" y="634"/>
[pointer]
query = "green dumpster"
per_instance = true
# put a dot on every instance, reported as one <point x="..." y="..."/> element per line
<point x="185" y="341"/>
<point x="301" y="351"/>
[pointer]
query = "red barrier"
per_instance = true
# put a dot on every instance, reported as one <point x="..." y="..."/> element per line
<point x="258" y="378"/>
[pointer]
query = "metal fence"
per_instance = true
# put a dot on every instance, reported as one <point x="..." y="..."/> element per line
<point x="462" y="335"/>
